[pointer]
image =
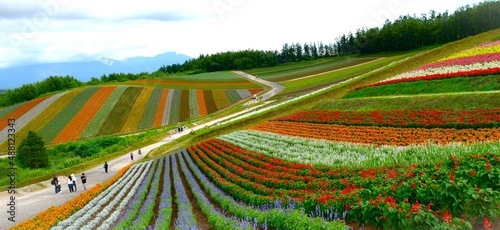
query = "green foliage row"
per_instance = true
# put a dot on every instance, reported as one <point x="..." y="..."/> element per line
<point x="486" y="100"/>
<point x="451" y="85"/>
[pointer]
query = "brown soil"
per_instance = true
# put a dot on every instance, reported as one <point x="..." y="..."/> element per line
<point x="175" y="209"/>
<point x="160" y="191"/>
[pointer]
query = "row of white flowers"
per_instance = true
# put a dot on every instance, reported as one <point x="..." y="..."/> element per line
<point x="446" y="70"/>
<point x="321" y="152"/>
<point x="82" y="216"/>
<point x="119" y="202"/>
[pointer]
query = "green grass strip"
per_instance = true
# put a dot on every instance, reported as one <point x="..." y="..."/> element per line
<point x="451" y="85"/>
<point x="175" y="108"/>
<point x="194" y="110"/>
<point x="148" y="118"/>
<point x="209" y="101"/>
<point x="119" y="114"/>
<point x="52" y="129"/>
<point x="96" y="122"/>
<point x="232" y="95"/>
<point x="184" y="113"/>
<point x="465" y="101"/>
<point x="337" y="76"/>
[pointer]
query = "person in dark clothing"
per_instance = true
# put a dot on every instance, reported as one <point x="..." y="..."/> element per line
<point x="106" y="167"/>
<point x="84" y="180"/>
<point x="56" y="183"/>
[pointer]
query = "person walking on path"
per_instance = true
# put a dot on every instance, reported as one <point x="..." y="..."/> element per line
<point x="73" y="178"/>
<point x="70" y="184"/>
<point x="57" y="185"/>
<point x="139" y="152"/>
<point x="106" y="167"/>
<point x="84" y="180"/>
<point x="132" y="156"/>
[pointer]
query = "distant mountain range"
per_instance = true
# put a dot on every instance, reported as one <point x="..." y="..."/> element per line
<point x="17" y="76"/>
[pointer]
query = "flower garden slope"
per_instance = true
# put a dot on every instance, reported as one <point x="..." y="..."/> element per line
<point x="20" y="111"/>
<point x="80" y="121"/>
<point x="93" y="127"/>
<point x="484" y="60"/>
<point x="45" y="116"/>
<point x="149" y="115"/>
<point x="137" y="111"/>
<point x="50" y="131"/>
<point x="120" y="112"/>
<point x="30" y="115"/>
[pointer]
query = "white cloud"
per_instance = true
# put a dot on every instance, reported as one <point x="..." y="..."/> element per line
<point x="67" y="30"/>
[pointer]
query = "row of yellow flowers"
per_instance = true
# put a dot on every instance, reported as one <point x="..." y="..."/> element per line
<point x="50" y="217"/>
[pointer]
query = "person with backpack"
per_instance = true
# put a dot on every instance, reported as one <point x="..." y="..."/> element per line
<point x="140" y="154"/>
<point x="84" y="180"/>
<point x="105" y="167"/>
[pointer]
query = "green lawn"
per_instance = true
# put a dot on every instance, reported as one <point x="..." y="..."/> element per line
<point x="458" y="84"/>
<point x="303" y="69"/>
<point x="471" y="100"/>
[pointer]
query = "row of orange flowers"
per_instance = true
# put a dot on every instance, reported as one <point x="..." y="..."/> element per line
<point x="381" y="135"/>
<point x="50" y="217"/>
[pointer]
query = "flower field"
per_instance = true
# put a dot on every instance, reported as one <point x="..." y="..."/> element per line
<point x="142" y="197"/>
<point x="96" y="111"/>
<point x="482" y="60"/>
<point x="425" y="118"/>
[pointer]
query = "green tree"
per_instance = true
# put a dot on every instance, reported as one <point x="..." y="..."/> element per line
<point x="32" y="153"/>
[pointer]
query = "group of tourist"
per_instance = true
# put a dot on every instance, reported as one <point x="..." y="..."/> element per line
<point x="71" y="181"/>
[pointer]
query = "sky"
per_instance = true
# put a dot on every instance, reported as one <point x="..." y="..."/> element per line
<point x="48" y="31"/>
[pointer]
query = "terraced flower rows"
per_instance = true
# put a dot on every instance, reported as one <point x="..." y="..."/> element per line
<point x="425" y="118"/>
<point x="172" y="192"/>
<point x="96" y="111"/>
<point x="479" y="61"/>
<point x="391" y="193"/>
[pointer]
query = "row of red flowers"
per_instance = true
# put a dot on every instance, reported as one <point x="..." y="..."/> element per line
<point x="466" y="186"/>
<point x="425" y="118"/>
<point x="470" y="73"/>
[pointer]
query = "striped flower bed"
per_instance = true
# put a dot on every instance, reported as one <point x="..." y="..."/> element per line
<point x="137" y="111"/>
<point x="95" y="111"/>
<point x="175" y="107"/>
<point x="202" y="106"/>
<point x="479" y="61"/>
<point x="46" y="116"/>
<point x="161" y="108"/>
<point x="50" y="131"/>
<point x="93" y="128"/>
<point x="194" y="109"/>
<point x="20" y="111"/>
<point x="120" y="112"/>
<point x="80" y="121"/>
<point x="149" y="115"/>
<point x="29" y="116"/>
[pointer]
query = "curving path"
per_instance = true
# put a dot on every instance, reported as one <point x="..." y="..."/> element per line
<point x="276" y="88"/>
